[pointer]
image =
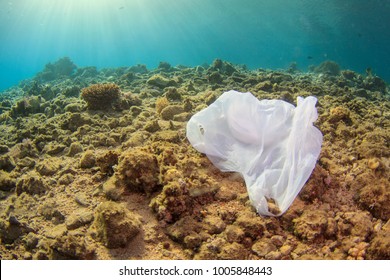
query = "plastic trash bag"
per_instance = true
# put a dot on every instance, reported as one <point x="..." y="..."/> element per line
<point x="272" y="143"/>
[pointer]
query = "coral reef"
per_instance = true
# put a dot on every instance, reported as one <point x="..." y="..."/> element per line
<point x="121" y="181"/>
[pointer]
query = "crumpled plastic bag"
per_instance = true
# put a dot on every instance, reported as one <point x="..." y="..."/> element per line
<point x="272" y="143"/>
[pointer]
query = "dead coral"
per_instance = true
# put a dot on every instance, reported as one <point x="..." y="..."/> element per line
<point x="160" y="81"/>
<point x="128" y="100"/>
<point x="172" y="202"/>
<point x="311" y="225"/>
<point x="161" y="103"/>
<point x="71" y="247"/>
<point x="169" y="112"/>
<point x="7" y="183"/>
<point x="379" y="248"/>
<point x="88" y="160"/>
<point x="339" y="113"/>
<point x="375" y="198"/>
<point x="138" y="170"/>
<point x="114" y="225"/>
<point x="31" y="183"/>
<point x="107" y="161"/>
<point x="27" y="105"/>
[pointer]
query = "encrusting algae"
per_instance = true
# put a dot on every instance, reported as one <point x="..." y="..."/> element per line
<point x="96" y="165"/>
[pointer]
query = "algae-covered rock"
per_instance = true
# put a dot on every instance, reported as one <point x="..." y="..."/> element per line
<point x="173" y="94"/>
<point x="182" y="117"/>
<point x="7" y="183"/>
<point x="234" y="233"/>
<point x="209" y="250"/>
<point x="171" y="136"/>
<point x="161" y="103"/>
<point x="48" y="166"/>
<point x="183" y="228"/>
<point x="222" y="67"/>
<point x="27" y="105"/>
<point x="170" y="111"/>
<point x="355" y="224"/>
<point x="88" y="160"/>
<point x="213" y="225"/>
<point x="311" y="225"/>
<point x="172" y="202"/>
<point x="26" y="148"/>
<point x="31" y="183"/>
<point x="164" y="66"/>
<point x="339" y="113"/>
<point x="138" y="170"/>
<point x="252" y="224"/>
<point x="152" y="126"/>
<point x="70" y="247"/>
<point x="379" y="248"/>
<point x="111" y="189"/>
<point x="233" y="251"/>
<point x="115" y="225"/>
<point x="53" y="148"/>
<point x="128" y="100"/>
<point x="160" y="81"/>
<point x="107" y="161"/>
<point x="74" y="149"/>
<point x="374" y="83"/>
<point x="79" y="218"/>
<point x="11" y="229"/>
<point x="49" y="211"/>
<point x="66" y="179"/>
<point x="7" y="163"/>
<point x="74" y="107"/>
<point x="31" y="240"/>
<point x="375" y="198"/>
<point x="215" y="78"/>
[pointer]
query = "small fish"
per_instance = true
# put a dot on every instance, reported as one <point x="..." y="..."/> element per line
<point x="309" y="57"/>
<point x="121" y="8"/>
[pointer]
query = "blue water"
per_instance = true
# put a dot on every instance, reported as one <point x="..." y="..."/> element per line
<point x="258" y="33"/>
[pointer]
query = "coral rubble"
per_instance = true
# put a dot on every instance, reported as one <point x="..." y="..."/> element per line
<point x="109" y="173"/>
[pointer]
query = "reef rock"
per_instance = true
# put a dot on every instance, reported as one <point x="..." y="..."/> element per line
<point x="138" y="169"/>
<point x="115" y="225"/>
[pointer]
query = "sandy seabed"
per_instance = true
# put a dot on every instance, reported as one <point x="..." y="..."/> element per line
<point x="96" y="165"/>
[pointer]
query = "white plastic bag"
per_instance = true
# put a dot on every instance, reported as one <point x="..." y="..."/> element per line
<point x="272" y="143"/>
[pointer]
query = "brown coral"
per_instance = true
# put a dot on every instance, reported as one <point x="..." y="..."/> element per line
<point x="101" y="96"/>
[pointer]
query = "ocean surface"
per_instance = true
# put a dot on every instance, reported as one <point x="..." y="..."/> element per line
<point x="258" y="33"/>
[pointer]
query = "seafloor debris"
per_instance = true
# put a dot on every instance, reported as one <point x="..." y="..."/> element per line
<point x="109" y="174"/>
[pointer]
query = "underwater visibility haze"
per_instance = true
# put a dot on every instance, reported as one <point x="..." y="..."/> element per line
<point x="261" y="33"/>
